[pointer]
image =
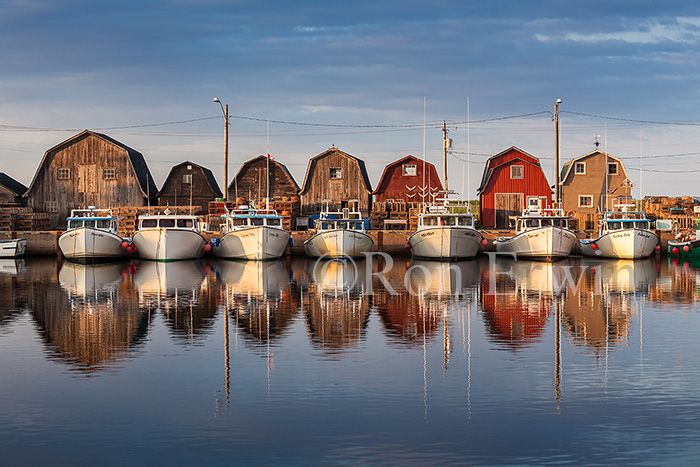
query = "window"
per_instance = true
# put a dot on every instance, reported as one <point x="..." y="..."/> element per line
<point x="533" y="202"/>
<point x="109" y="174"/>
<point x="612" y="168"/>
<point x="585" y="201"/>
<point x="149" y="223"/>
<point x="52" y="206"/>
<point x="336" y="173"/>
<point x="580" y="168"/>
<point x="516" y="171"/>
<point x="187" y="178"/>
<point x="166" y="223"/>
<point x="63" y="174"/>
<point x="185" y="223"/>
<point x="409" y="169"/>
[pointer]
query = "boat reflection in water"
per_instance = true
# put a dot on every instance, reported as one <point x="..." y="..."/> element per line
<point x="259" y="296"/>
<point x="180" y="292"/>
<point x="336" y="304"/>
<point x="12" y="266"/>
<point x="91" y="318"/>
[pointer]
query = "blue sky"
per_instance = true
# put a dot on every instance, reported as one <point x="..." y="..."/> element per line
<point x="356" y="75"/>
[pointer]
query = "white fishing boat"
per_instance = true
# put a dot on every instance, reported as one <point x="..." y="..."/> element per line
<point x="13" y="247"/>
<point x="252" y="234"/>
<point x="91" y="235"/>
<point x="445" y="232"/>
<point x="339" y="234"/>
<point x="541" y="234"/>
<point x="169" y="237"/>
<point x="624" y="235"/>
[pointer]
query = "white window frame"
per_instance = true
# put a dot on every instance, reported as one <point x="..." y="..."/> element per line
<point x="581" y="205"/>
<point x="516" y="176"/>
<point x="617" y="168"/>
<point x="576" y="167"/>
<point x="410" y="170"/>
<point x="187" y="178"/>
<point x="63" y="173"/>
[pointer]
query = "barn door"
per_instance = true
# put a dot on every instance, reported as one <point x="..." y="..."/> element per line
<point x="507" y="206"/>
<point x="87" y="178"/>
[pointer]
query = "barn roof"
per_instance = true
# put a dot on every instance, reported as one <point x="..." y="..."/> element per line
<point x="207" y="173"/>
<point x="566" y="168"/>
<point x="11" y="184"/>
<point x="272" y="161"/>
<point x="398" y="162"/>
<point x="138" y="163"/>
<point x="312" y="162"/>
<point x="492" y="164"/>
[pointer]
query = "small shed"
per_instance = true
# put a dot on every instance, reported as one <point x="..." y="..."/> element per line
<point x="337" y="176"/>
<point x="512" y="181"/>
<point x="189" y="184"/>
<point x="584" y="185"/>
<point x="410" y="179"/>
<point x="11" y="190"/>
<point x="251" y="180"/>
<point x="89" y="169"/>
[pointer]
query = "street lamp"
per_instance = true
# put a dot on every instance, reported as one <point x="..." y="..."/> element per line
<point x="557" y="189"/>
<point x="224" y="110"/>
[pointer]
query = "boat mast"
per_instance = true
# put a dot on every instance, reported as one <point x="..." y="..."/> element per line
<point x="446" y="143"/>
<point x="557" y="188"/>
<point x="267" y="183"/>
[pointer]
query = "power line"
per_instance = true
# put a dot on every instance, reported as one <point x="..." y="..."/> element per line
<point x="648" y="122"/>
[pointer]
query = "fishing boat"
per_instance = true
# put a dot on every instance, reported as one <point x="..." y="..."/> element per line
<point x="686" y="244"/>
<point x="91" y="235"/>
<point x="339" y="234"/>
<point x="169" y="237"/>
<point x="252" y="234"/>
<point x="13" y="247"/>
<point x="445" y="232"/>
<point x="541" y="234"/>
<point x="623" y="235"/>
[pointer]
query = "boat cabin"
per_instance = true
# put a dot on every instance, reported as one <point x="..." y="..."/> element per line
<point x="168" y="222"/>
<point x="349" y="218"/>
<point x="340" y="224"/>
<point x="101" y="219"/>
<point x="614" y="221"/>
<point x="537" y="218"/>
<point x="446" y="219"/>
<point x="242" y="218"/>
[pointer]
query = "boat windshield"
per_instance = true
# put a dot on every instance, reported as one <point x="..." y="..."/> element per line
<point x="166" y="223"/>
<point x="257" y="221"/>
<point x="273" y="222"/>
<point x="75" y="224"/>
<point x="642" y="225"/>
<point x="185" y="223"/>
<point x="149" y="223"/>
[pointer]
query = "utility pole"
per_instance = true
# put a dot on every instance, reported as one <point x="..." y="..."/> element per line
<point x="557" y="188"/>
<point x="446" y="144"/>
<point x="224" y="110"/>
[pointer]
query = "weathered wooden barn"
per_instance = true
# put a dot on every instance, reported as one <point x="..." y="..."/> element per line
<point x="584" y="187"/>
<point x="409" y="179"/>
<point x="89" y="169"/>
<point x="512" y="181"/>
<point x="337" y="176"/>
<point x="11" y="190"/>
<point x="189" y="184"/>
<point x="251" y="181"/>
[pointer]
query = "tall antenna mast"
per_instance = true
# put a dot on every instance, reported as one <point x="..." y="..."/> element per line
<point x="446" y="144"/>
<point x="424" y="191"/>
<point x="267" y="182"/>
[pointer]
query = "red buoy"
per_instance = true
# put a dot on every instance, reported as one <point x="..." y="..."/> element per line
<point x="657" y="247"/>
<point x="686" y="248"/>
<point x="675" y="250"/>
<point x="129" y="249"/>
<point x="408" y="246"/>
<point x="594" y="246"/>
<point x="207" y="246"/>
<point x="484" y="242"/>
<point x="125" y="244"/>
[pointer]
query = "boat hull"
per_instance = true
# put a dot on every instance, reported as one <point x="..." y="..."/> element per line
<point x="169" y="244"/>
<point x="445" y="243"/>
<point x="692" y="253"/>
<point x="338" y="243"/>
<point x="254" y="243"/>
<point x="12" y="248"/>
<point x="88" y="244"/>
<point x="544" y="244"/>
<point x="622" y="244"/>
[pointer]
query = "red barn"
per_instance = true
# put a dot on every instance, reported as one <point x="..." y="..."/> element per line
<point x="512" y="181"/>
<point x="404" y="180"/>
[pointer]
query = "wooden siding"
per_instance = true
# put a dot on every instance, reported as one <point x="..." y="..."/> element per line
<point x="176" y="192"/>
<point x="395" y="185"/>
<point x="532" y="184"/>
<point x="252" y="181"/>
<point x="592" y="183"/>
<point x="351" y="184"/>
<point x="84" y="156"/>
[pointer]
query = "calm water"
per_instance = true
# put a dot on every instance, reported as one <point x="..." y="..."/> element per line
<point x="580" y="362"/>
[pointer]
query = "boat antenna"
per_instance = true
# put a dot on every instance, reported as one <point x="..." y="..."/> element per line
<point x="446" y="144"/>
<point x="267" y="182"/>
<point x="424" y="191"/>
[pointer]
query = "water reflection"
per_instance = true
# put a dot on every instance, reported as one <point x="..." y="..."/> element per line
<point x="90" y="318"/>
<point x="260" y="297"/>
<point x="336" y="304"/>
<point x="12" y="298"/>
<point x="178" y="290"/>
